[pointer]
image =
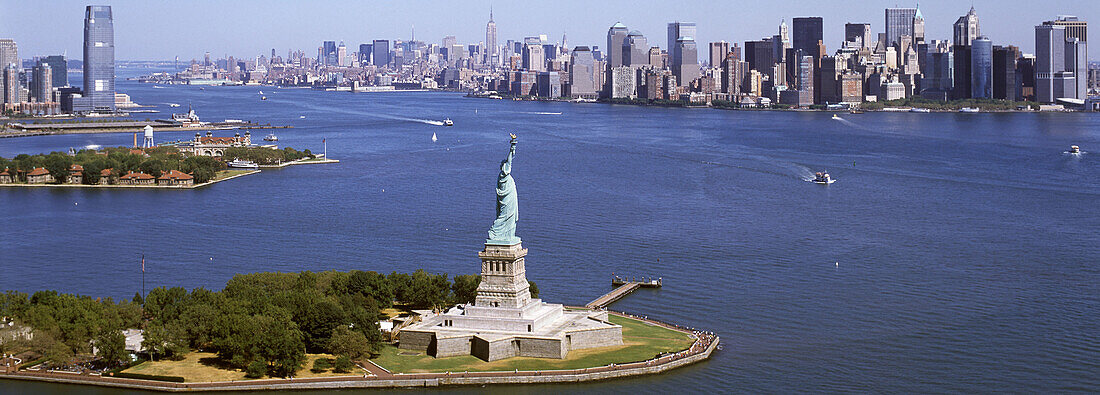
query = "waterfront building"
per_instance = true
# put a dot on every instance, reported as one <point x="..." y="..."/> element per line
<point x="175" y="178"/>
<point x="583" y="74"/>
<point x="635" y="50"/>
<point x="76" y="174"/>
<point x="961" y="57"/>
<point x="676" y="30"/>
<point x="760" y="55"/>
<point x="1006" y="80"/>
<point x="42" y="83"/>
<point x="1075" y="29"/>
<point x="99" y="62"/>
<point x="938" y="78"/>
<point x="9" y="53"/>
<point x="859" y="33"/>
<point x="718" y="52"/>
<point x="209" y="145"/>
<point x="139" y="178"/>
<point x="808" y="38"/>
<point x="1025" y="69"/>
<point x="623" y="83"/>
<point x="549" y="84"/>
<point x="981" y="68"/>
<point x="900" y="22"/>
<point x="381" y="50"/>
<point x="39" y="175"/>
<point x="616" y="35"/>
<point x="851" y="87"/>
<point x="966" y="29"/>
<point x="1060" y="63"/>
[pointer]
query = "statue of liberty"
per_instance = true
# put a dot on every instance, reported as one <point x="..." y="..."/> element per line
<point x="503" y="231"/>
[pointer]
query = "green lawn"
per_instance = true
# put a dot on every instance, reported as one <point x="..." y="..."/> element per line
<point x="641" y="341"/>
<point x="197" y="367"/>
<point x="223" y="174"/>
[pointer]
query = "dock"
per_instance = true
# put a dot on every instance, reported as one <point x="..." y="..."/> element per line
<point x="623" y="286"/>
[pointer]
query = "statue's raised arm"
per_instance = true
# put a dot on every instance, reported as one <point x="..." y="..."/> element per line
<point x="504" y="227"/>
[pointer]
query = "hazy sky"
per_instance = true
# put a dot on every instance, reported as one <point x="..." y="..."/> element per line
<point x="150" y="29"/>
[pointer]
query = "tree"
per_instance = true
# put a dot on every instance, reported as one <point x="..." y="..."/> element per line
<point x="58" y="164"/>
<point x="372" y="285"/>
<point x="346" y="342"/>
<point x="534" y="288"/>
<point x="111" y="346"/>
<point x="320" y="365"/>
<point x="343" y="364"/>
<point x="464" y="289"/>
<point x="255" y="370"/>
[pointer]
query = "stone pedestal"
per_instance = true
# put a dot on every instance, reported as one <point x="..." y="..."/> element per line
<point x="503" y="277"/>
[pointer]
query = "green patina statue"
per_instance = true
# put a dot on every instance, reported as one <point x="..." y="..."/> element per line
<point x="503" y="231"/>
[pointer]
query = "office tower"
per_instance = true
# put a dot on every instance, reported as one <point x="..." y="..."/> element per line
<point x="1075" y="29"/>
<point x="981" y="68"/>
<point x="616" y="36"/>
<point x="760" y="55"/>
<point x="11" y="84"/>
<point x="939" y="70"/>
<point x="967" y="28"/>
<point x="635" y="50"/>
<point x="328" y="54"/>
<point x="381" y="49"/>
<point x="1005" y="81"/>
<point x="548" y="84"/>
<point x="899" y="22"/>
<point x="807" y="33"/>
<point x="534" y="57"/>
<point x="206" y="59"/>
<point x="831" y="69"/>
<point x="623" y="84"/>
<point x="1025" y="69"/>
<point x="784" y="35"/>
<point x="918" y="27"/>
<point x="686" y="69"/>
<point x="342" y="55"/>
<point x="365" y="54"/>
<point x="492" y="55"/>
<point x="859" y="33"/>
<point x="583" y="73"/>
<point x="718" y="53"/>
<point x="961" y="55"/>
<point x="99" y="60"/>
<point x="9" y="53"/>
<point x="42" y="82"/>
<point x="1051" y="77"/>
<point x="58" y="69"/>
<point x="448" y="44"/>
<point x="675" y="31"/>
<point x="655" y="59"/>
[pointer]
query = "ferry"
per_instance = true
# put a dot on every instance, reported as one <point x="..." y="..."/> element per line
<point x="448" y="122"/>
<point x="271" y="137"/>
<point x="969" y="109"/>
<point x="243" y="164"/>
<point x="823" y="178"/>
<point x="922" y="110"/>
<point x="1074" y="150"/>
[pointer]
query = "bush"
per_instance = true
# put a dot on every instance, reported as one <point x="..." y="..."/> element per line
<point x="255" y="370"/>
<point x="343" y="364"/>
<point x="321" y="365"/>
<point x="139" y="376"/>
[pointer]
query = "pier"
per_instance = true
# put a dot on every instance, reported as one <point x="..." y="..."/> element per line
<point x="623" y="286"/>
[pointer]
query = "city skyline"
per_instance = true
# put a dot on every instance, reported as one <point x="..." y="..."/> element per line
<point x="255" y="30"/>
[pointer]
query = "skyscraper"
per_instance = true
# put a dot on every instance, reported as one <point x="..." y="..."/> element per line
<point x="10" y="84"/>
<point x="635" y="50"/>
<point x="859" y="33"/>
<point x="42" y="82"/>
<point x="341" y="55"/>
<point x="967" y="28"/>
<point x="365" y="53"/>
<point x="718" y="53"/>
<point x="1059" y="64"/>
<point x="616" y="36"/>
<point x="1006" y="84"/>
<point x="492" y="55"/>
<point x="99" y="60"/>
<point x="899" y="22"/>
<point x="1075" y="29"/>
<point x="381" y="50"/>
<point x="981" y="68"/>
<point x="58" y="69"/>
<point x="329" y="52"/>
<point x="686" y="69"/>
<point x="808" y="39"/>
<point x="675" y="31"/>
<point x="582" y="74"/>
<point x="9" y="53"/>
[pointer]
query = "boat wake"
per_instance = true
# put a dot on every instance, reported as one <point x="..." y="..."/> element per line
<point x="847" y="122"/>
<point x="92" y="146"/>
<point x="544" y="113"/>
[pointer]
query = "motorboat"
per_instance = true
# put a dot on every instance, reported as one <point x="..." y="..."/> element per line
<point x="823" y="178"/>
<point x="836" y="117"/>
<point x="856" y="112"/>
<point x="263" y="97"/>
<point x="271" y="137"/>
<point x="448" y="122"/>
<point x="243" y="164"/>
<point x="1074" y="150"/>
<point x="173" y="105"/>
<point x="921" y="110"/>
<point x="969" y="109"/>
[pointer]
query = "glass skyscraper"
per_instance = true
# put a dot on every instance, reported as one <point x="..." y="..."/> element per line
<point x="981" y="68"/>
<point x="899" y="22"/>
<point x="99" y="60"/>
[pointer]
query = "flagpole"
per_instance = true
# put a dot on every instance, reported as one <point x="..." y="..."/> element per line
<point x="325" y="142"/>
<point x="143" y="279"/>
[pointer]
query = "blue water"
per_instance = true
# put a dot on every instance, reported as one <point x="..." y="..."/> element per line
<point x="967" y="244"/>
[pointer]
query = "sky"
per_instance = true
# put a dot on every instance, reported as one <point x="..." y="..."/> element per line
<point x="162" y="30"/>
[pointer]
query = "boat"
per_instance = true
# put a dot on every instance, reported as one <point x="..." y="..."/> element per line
<point x="261" y="92"/>
<point x="448" y="122"/>
<point x="173" y="105"/>
<point x="836" y="117"/>
<point x="1074" y="150"/>
<point x="969" y="109"/>
<point x="263" y="97"/>
<point x="823" y="178"/>
<point x="434" y="139"/>
<point x="856" y="112"/>
<point x="243" y="164"/>
<point x="919" y="110"/>
<point x="271" y="137"/>
<point x="301" y="117"/>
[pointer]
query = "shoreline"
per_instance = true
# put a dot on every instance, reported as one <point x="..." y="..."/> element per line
<point x="700" y="350"/>
<point x="108" y="186"/>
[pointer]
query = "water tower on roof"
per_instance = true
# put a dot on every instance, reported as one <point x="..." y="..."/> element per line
<point x="148" y="143"/>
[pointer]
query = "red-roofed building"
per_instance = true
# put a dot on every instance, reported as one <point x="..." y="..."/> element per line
<point x="76" y="174"/>
<point x="39" y="176"/>
<point x="106" y="176"/>
<point x="215" y="146"/>
<point x="175" y="178"/>
<point x="7" y="177"/>
<point x="138" y="178"/>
